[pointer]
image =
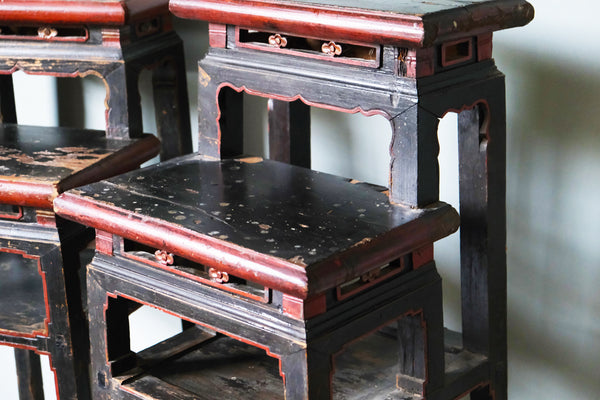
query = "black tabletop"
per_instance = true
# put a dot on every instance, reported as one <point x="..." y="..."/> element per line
<point x="405" y="7"/>
<point x="269" y="207"/>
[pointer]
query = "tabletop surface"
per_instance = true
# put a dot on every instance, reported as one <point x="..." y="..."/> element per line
<point x="268" y="207"/>
<point x="77" y="12"/>
<point x="49" y="157"/>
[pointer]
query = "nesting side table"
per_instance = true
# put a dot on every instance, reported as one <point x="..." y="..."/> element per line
<point x="295" y="263"/>
<point x="113" y="39"/>
<point x="40" y="298"/>
<point x="410" y="61"/>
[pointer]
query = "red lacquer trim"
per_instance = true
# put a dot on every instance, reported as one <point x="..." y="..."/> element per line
<point x="342" y="296"/>
<point x="144" y="9"/>
<point x="33" y="334"/>
<point x="13" y="216"/>
<point x="204" y="78"/>
<point x="37" y="194"/>
<point x="420" y="62"/>
<point x="263" y="269"/>
<point x="80" y="12"/>
<point x="217" y="35"/>
<point x="17" y="66"/>
<point x="274" y="96"/>
<point x="71" y="39"/>
<point x="104" y="311"/>
<point x="345" y="23"/>
<point x="304" y="309"/>
<point x="40" y="352"/>
<point x="104" y="242"/>
<point x="315" y="55"/>
<point x="28" y="194"/>
<point x="111" y="37"/>
<point x="46" y="218"/>
<point x="25" y="347"/>
<point x="196" y="278"/>
<point x="446" y="62"/>
<point x="303" y="19"/>
<point x="484" y="46"/>
<point x="422" y="256"/>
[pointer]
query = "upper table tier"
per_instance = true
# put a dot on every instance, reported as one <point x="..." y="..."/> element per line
<point x="38" y="163"/>
<point x="77" y="12"/>
<point x="412" y="23"/>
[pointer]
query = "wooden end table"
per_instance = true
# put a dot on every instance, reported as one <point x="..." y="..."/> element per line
<point x="281" y="258"/>
<point x="410" y="61"/>
<point x="40" y="298"/>
<point x="112" y="39"/>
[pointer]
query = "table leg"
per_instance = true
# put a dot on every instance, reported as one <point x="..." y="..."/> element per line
<point x="124" y="111"/>
<point x="29" y="375"/>
<point x="482" y="166"/>
<point x="171" y="105"/>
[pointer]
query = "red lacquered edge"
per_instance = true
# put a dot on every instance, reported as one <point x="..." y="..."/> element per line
<point x="28" y="194"/>
<point x="306" y="19"/>
<point x="269" y="271"/>
<point x="79" y="12"/>
<point x="337" y="23"/>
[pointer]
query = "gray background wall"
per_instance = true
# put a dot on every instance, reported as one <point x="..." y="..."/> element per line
<point x="553" y="98"/>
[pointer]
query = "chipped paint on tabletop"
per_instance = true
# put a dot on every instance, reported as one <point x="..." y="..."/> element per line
<point x="272" y="208"/>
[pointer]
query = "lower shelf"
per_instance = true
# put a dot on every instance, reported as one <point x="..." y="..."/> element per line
<point x="224" y="368"/>
<point x="22" y="304"/>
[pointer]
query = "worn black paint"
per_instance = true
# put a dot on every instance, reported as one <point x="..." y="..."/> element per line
<point x="49" y="154"/>
<point x="269" y="207"/>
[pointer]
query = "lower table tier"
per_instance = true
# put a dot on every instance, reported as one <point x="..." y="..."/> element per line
<point x="219" y="367"/>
